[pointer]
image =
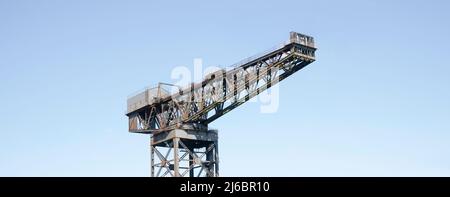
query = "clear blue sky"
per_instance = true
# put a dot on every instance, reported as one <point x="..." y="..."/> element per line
<point x="375" y="103"/>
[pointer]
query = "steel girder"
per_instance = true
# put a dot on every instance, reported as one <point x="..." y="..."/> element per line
<point x="221" y="91"/>
<point x="179" y="157"/>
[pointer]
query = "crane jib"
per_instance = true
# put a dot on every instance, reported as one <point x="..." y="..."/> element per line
<point x="155" y="109"/>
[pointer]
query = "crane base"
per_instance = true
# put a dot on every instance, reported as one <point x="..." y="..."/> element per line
<point x="185" y="152"/>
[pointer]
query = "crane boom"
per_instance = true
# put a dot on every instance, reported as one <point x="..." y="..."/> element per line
<point x="155" y="110"/>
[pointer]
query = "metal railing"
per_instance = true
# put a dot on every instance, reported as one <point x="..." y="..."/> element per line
<point x="294" y="38"/>
<point x="146" y="95"/>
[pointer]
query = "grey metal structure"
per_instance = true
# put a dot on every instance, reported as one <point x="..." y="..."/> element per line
<point x="181" y="143"/>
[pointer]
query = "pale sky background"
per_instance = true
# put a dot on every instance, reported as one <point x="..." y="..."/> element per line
<point x="375" y="103"/>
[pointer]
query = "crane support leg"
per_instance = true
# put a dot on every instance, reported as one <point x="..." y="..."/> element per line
<point x="190" y="151"/>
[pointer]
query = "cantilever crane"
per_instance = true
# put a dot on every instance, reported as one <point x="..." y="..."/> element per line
<point x="179" y="122"/>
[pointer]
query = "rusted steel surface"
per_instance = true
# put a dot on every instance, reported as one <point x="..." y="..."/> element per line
<point x="153" y="110"/>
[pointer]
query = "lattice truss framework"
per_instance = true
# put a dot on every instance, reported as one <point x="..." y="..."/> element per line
<point x="221" y="91"/>
<point x="176" y="159"/>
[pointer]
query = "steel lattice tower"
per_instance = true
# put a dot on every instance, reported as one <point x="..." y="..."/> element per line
<point x="181" y="143"/>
